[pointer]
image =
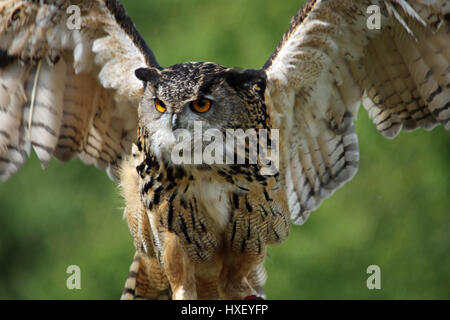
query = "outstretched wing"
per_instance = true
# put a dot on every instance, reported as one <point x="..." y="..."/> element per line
<point x="67" y="84"/>
<point x="391" y="55"/>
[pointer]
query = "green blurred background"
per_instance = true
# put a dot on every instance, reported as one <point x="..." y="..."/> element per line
<point x="393" y="214"/>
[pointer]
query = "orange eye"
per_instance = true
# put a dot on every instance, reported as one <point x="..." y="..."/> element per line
<point x="160" y="106"/>
<point x="201" y="105"/>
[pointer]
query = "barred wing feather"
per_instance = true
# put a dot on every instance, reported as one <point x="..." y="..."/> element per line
<point x="329" y="61"/>
<point x="67" y="87"/>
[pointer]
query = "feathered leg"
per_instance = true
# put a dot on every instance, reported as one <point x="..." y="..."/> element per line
<point x="235" y="282"/>
<point x="146" y="280"/>
<point x="179" y="268"/>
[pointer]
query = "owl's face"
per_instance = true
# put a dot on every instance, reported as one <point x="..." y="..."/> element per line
<point x="178" y="99"/>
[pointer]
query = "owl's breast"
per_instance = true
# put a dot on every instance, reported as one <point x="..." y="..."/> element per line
<point x="191" y="203"/>
<point x="213" y="197"/>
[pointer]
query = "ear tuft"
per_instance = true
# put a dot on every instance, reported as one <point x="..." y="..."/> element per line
<point x="247" y="78"/>
<point x="147" y="74"/>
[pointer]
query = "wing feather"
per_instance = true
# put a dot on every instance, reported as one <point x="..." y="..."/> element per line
<point x="78" y="83"/>
<point x="329" y="61"/>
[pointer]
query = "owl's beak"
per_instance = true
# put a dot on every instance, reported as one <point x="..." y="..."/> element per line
<point x="175" y="122"/>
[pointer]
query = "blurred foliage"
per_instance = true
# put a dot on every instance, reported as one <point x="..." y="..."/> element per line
<point x="393" y="214"/>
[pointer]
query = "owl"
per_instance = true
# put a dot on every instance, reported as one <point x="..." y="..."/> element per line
<point x="216" y="163"/>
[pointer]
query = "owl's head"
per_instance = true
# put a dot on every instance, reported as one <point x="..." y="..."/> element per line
<point x="178" y="97"/>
